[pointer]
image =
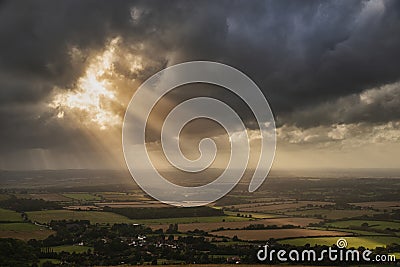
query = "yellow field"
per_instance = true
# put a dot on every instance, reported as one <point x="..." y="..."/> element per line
<point x="370" y="242"/>
<point x="252" y="235"/>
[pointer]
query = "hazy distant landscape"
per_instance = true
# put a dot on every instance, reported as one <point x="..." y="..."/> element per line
<point x="100" y="209"/>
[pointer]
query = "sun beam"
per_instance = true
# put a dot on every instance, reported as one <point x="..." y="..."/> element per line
<point x="94" y="98"/>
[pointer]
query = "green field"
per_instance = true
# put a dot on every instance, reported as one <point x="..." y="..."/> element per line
<point x="210" y="219"/>
<point x="370" y="242"/>
<point x="331" y="214"/>
<point x="81" y="196"/>
<point x="24" y="231"/>
<point x="9" y="216"/>
<point x="93" y="216"/>
<point x="18" y="227"/>
<point x="380" y="225"/>
<point x="71" y="248"/>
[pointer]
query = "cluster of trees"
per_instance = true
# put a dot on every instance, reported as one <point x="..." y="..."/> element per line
<point x="15" y="252"/>
<point x="22" y="204"/>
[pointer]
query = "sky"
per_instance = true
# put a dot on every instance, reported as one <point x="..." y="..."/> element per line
<point x="329" y="69"/>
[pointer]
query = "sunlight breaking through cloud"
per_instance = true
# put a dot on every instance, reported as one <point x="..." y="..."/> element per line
<point x="94" y="98"/>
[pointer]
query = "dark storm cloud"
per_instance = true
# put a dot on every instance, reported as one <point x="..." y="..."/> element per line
<point x="36" y="37"/>
<point x="374" y="106"/>
<point x="304" y="54"/>
<point x="300" y="53"/>
<point x="305" y="51"/>
<point x="30" y="127"/>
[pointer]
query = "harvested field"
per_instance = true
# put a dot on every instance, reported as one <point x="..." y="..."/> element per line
<point x="302" y="222"/>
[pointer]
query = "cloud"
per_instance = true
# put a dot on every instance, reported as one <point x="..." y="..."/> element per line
<point x="306" y="52"/>
<point x="345" y="136"/>
<point x="313" y="60"/>
<point x="375" y="105"/>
